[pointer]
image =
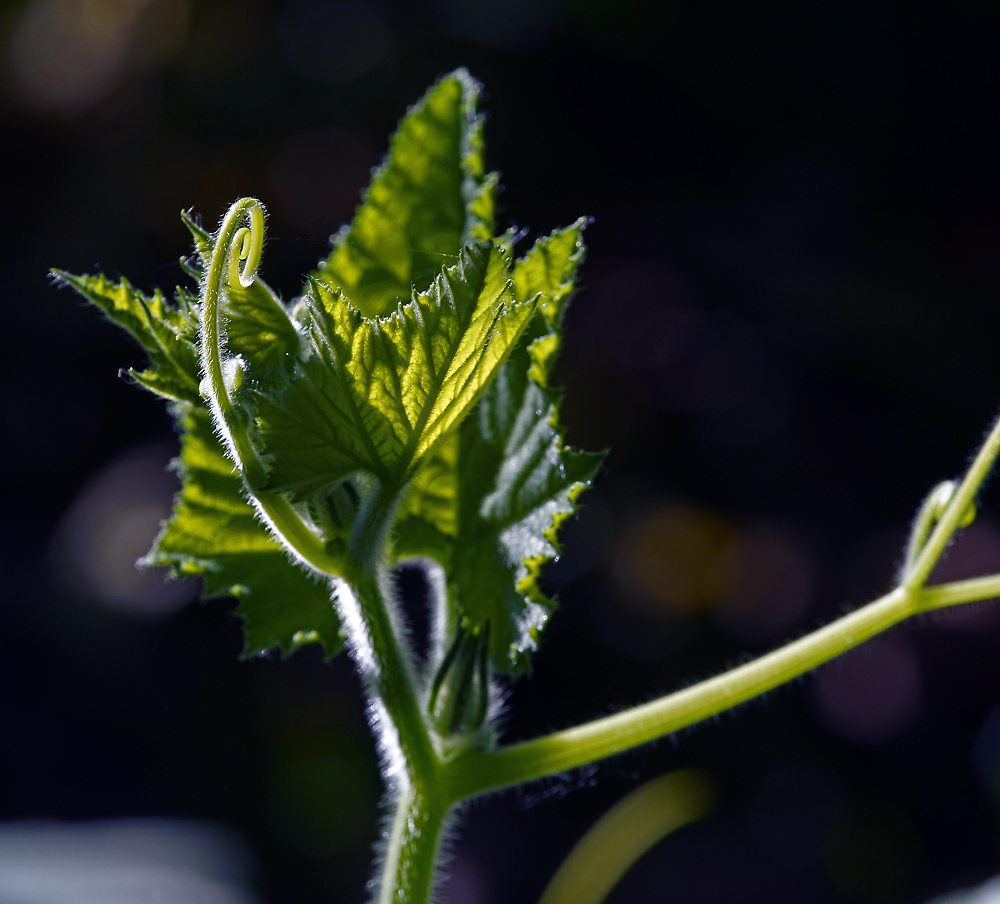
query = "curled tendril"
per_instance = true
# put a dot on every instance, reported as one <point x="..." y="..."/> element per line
<point x="930" y="514"/>
<point x="238" y="244"/>
<point x="250" y="244"/>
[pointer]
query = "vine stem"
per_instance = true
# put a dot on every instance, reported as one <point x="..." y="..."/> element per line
<point x="409" y="868"/>
<point x="583" y="744"/>
<point x="957" y="508"/>
<point x="482" y="771"/>
<point x="410" y="865"/>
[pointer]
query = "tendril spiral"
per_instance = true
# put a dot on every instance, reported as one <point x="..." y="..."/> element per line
<point x="236" y="244"/>
<point x="240" y="241"/>
<point x="247" y="245"/>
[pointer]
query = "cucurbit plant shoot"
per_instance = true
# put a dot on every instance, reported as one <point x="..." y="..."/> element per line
<point x="402" y="410"/>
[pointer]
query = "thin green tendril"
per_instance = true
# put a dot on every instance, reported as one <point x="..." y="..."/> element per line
<point x="930" y="514"/>
<point x="237" y="244"/>
<point x="251" y="247"/>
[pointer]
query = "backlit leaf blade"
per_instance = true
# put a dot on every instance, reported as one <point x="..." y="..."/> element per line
<point x="549" y="270"/>
<point x="434" y="491"/>
<point x="429" y="197"/>
<point x="167" y="333"/>
<point x="215" y="533"/>
<point x="256" y="324"/>
<point x="378" y="394"/>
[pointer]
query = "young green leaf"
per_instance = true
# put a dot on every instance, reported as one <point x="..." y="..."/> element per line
<point x="429" y="197"/>
<point x="489" y="505"/>
<point x="215" y="533"/>
<point x="168" y="334"/>
<point x="378" y="395"/>
<point x="258" y="327"/>
<point x="519" y="483"/>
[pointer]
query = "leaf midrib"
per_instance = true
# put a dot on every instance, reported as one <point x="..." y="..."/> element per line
<point x="402" y="471"/>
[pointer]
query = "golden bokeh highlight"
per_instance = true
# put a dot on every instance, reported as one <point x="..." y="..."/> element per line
<point x="677" y="558"/>
<point x="756" y="580"/>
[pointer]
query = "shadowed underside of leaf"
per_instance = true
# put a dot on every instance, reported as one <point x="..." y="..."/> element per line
<point x="489" y="503"/>
<point x="377" y="395"/>
<point x="429" y="197"/>
<point x="215" y="533"/>
<point x="522" y="501"/>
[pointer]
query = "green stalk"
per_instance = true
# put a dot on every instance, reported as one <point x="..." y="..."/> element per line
<point x="973" y="590"/>
<point x="961" y="502"/>
<point x="563" y="750"/>
<point x="479" y="772"/>
<point x="391" y="676"/>
<point x="409" y="868"/>
<point x="407" y="873"/>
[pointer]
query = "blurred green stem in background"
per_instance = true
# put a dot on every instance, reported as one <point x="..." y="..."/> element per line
<point x="622" y="835"/>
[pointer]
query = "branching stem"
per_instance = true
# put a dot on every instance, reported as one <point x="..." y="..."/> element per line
<point x="956" y="510"/>
<point x="946" y="508"/>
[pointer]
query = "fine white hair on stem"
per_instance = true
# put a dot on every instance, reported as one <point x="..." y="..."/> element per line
<point x="359" y="643"/>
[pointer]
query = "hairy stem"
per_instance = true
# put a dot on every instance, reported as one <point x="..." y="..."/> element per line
<point x="973" y="590"/>
<point x="391" y="676"/>
<point x="955" y="511"/>
<point x="409" y="870"/>
<point x="479" y="772"/>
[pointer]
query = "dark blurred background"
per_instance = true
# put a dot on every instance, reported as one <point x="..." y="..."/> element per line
<point x="786" y="334"/>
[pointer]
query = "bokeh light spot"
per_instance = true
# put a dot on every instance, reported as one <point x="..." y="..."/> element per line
<point x="676" y="558"/>
<point x="773" y="587"/>
<point x="124" y="861"/>
<point x="109" y="526"/>
<point x="68" y="55"/>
